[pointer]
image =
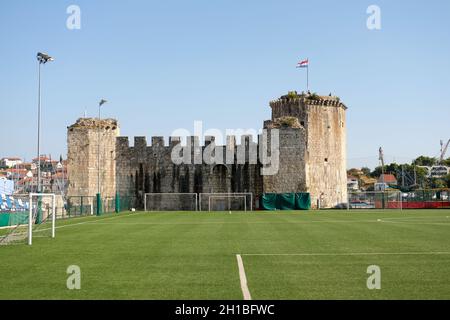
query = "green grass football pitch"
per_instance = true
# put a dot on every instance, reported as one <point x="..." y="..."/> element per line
<point x="189" y="255"/>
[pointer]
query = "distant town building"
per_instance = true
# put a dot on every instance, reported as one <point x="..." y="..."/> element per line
<point x="352" y="183"/>
<point x="386" y="181"/>
<point x="10" y="162"/>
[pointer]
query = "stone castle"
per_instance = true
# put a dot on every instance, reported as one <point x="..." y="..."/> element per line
<point x="312" y="157"/>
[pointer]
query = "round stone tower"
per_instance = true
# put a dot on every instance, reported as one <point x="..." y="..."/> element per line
<point x="325" y="167"/>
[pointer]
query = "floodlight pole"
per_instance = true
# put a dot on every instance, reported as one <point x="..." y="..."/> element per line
<point x="98" y="149"/>
<point x="99" y="205"/>
<point x="39" y="132"/>
<point x="42" y="59"/>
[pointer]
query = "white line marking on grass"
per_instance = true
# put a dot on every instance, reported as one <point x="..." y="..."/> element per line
<point x="91" y="222"/>
<point x="347" y="254"/>
<point x="243" y="278"/>
<point x="237" y="222"/>
<point x="419" y="223"/>
<point x="412" y="218"/>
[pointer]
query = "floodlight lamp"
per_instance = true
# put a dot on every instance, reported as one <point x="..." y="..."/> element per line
<point x="44" y="58"/>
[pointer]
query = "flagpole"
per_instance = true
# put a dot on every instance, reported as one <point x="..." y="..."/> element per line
<point x="307" y="76"/>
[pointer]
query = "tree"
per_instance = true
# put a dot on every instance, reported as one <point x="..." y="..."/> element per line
<point x="365" y="171"/>
<point x="446" y="162"/>
<point x="392" y="168"/>
<point x="353" y="172"/>
<point x="447" y="180"/>
<point x="437" y="183"/>
<point x="425" y="161"/>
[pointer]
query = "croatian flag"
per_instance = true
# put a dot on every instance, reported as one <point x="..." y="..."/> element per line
<point x="303" y="64"/>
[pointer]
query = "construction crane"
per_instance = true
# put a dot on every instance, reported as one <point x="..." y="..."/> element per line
<point x="381" y="158"/>
<point x="443" y="151"/>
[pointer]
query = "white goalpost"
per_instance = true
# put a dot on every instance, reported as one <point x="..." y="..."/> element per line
<point x="28" y="216"/>
<point x="34" y="213"/>
<point x="170" y="202"/>
<point x="226" y="198"/>
<point x="238" y="201"/>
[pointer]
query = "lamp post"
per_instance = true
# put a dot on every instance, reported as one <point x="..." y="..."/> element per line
<point x="42" y="58"/>
<point x="99" y="203"/>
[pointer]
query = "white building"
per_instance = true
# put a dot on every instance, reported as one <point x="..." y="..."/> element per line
<point x="352" y="184"/>
<point x="10" y="162"/>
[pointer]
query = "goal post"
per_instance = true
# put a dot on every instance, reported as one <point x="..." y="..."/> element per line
<point x="226" y="201"/>
<point x="36" y="210"/>
<point x="170" y="202"/>
<point x="375" y="200"/>
<point x="237" y="201"/>
<point x="26" y="216"/>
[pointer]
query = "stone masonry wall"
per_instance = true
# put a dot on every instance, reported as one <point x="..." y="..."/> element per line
<point x="82" y="139"/>
<point x="325" y="159"/>
<point x="146" y="168"/>
<point x="291" y="176"/>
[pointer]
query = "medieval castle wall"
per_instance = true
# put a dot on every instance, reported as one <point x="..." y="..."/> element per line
<point x="144" y="168"/>
<point x="312" y="157"/>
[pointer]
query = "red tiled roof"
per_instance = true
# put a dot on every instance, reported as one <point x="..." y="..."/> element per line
<point x="43" y="158"/>
<point x="388" y="178"/>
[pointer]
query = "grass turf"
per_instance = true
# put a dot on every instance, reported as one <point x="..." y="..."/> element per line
<point x="188" y="255"/>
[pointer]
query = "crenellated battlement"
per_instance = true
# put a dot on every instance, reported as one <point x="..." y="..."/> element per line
<point x="307" y="99"/>
<point x="140" y="142"/>
<point x="94" y="123"/>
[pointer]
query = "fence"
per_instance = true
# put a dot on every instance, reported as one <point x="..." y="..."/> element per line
<point x="375" y="200"/>
<point x="426" y="199"/>
<point x="87" y="205"/>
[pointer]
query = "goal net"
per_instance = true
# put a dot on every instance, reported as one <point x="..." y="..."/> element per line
<point x="25" y="217"/>
<point x="375" y="200"/>
<point x="226" y="201"/>
<point x="170" y="202"/>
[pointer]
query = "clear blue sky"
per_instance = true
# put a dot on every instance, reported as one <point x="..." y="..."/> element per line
<point x="164" y="64"/>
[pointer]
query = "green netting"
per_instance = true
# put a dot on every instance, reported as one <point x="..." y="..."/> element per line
<point x="286" y="201"/>
<point x="18" y="218"/>
<point x="269" y="201"/>
<point x="302" y="201"/>
<point x="4" y="219"/>
<point x="12" y="219"/>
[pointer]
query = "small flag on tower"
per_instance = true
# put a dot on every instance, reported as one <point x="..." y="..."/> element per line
<point x="303" y="64"/>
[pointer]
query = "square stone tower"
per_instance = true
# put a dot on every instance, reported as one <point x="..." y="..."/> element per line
<point x="83" y="138"/>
